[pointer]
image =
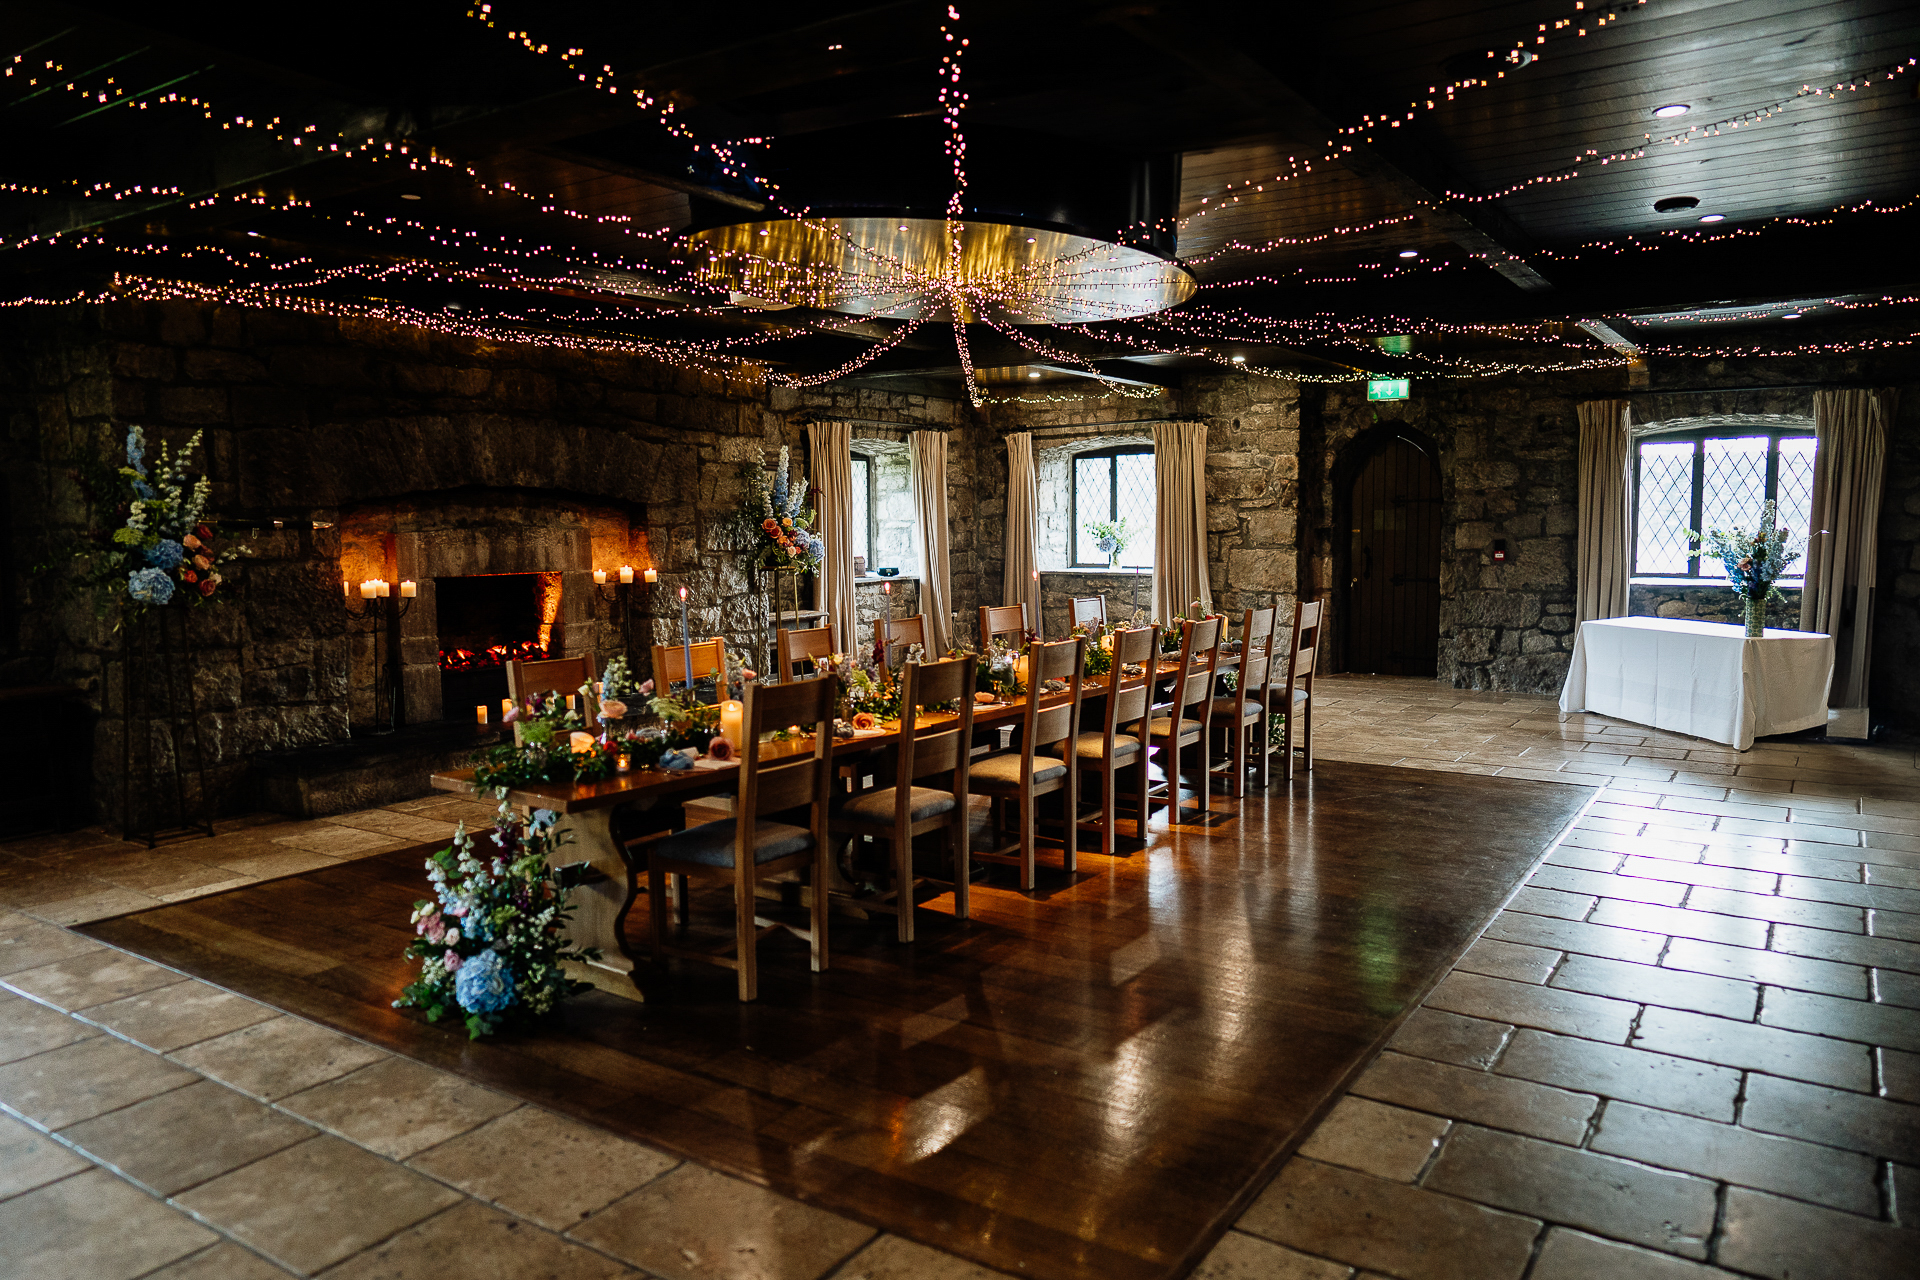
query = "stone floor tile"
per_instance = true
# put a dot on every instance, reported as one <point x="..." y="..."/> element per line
<point x="317" y="1202"/>
<point x="1385" y="1141"/>
<point x="1575" y="1255"/>
<point x="1881" y="897"/>
<point x="1729" y="1153"/>
<point x="1845" y="1019"/>
<point x="1576" y="935"/>
<point x="1509" y="960"/>
<point x="1727" y="808"/>
<point x="1760" y="906"/>
<point x="1786" y="1240"/>
<point x="92" y="1226"/>
<point x="1838" y="1118"/>
<point x="1748" y="964"/>
<point x="1894" y="924"/>
<point x="1903" y="1182"/>
<point x="1680" y="922"/>
<point x="90" y="979"/>
<point x="1760" y="1048"/>
<point x="1550" y="902"/>
<point x="1898" y="877"/>
<point x="29" y="944"/>
<point x="1647" y="984"/>
<point x="1520" y="1003"/>
<point x="1337" y="1213"/>
<point x="337" y="841"/>
<point x="1899" y="1075"/>
<point x="27" y="1028"/>
<point x="1882" y="840"/>
<point x="1569" y="854"/>
<point x="1448" y="1037"/>
<point x="1656" y="868"/>
<point x="80" y="1081"/>
<point x="1500" y="1102"/>
<point x="1792" y="864"/>
<point x="169" y="1017"/>
<point x="696" y="1224"/>
<point x="268" y="862"/>
<point x="397" y="1107"/>
<point x="166" y="876"/>
<point x="98" y="904"/>
<point x="186" y="1136"/>
<point x="542" y="1166"/>
<point x="29" y="1158"/>
<point x="484" y="1244"/>
<point x="1615" y="1071"/>
<point x="1238" y="1256"/>
<point x="224" y="1261"/>
<point x="278" y="1057"/>
<point x="1847" y="948"/>
<point x="1673" y="1212"/>
<point x="1661" y="893"/>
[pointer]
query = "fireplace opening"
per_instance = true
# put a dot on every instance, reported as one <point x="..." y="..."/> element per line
<point x="484" y="621"/>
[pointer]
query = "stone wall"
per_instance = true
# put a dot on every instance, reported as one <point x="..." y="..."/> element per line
<point x="1708" y="604"/>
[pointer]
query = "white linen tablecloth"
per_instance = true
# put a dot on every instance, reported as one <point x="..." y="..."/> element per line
<point x="1705" y="679"/>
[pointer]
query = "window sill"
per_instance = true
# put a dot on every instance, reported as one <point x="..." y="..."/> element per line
<point x="873" y="579"/>
<point x="1141" y="572"/>
<point x="1714" y="584"/>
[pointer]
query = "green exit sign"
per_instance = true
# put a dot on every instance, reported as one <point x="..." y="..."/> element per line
<point x="1388" y="388"/>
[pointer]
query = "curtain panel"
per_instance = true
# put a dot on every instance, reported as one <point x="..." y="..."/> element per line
<point x="1180" y="518"/>
<point x="1842" y="564"/>
<point x="1023" y="529"/>
<point x="830" y="458"/>
<point x="930" y="508"/>
<point x="1605" y="557"/>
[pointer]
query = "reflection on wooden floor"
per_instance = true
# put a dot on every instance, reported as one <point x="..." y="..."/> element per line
<point x="1090" y="1081"/>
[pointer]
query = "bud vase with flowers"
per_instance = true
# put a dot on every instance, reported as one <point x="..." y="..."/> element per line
<point x="1754" y="563"/>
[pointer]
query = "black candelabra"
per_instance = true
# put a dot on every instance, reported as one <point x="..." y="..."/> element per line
<point x="384" y="609"/>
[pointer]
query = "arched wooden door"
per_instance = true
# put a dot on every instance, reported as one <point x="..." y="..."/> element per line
<point x="1393" y="597"/>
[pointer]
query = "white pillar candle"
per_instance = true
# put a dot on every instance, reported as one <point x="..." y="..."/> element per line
<point x="506" y="705"/>
<point x="626" y="574"/>
<point x="651" y="575"/>
<point x="570" y="701"/>
<point x="600" y="577"/>
<point x="409" y="589"/>
<point x="369" y="589"/>
<point x="480" y="713"/>
<point x="733" y="723"/>
<point x="384" y="587"/>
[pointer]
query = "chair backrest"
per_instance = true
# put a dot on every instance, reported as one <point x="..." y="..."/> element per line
<point x="540" y="675"/>
<point x="1128" y="697"/>
<point x="1062" y="660"/>
<point x="1256" y="654"/>
<point x="813" y="645"/>
<point x="1000" y="620"/>
<point x="902" y="633"/>
<point x="1305" y="648"/>
<point x="786" y="782"/>
<point x="1089" y="609"/>
<point x="1199" y="658"/>
<point x="670" y="662"/>
<point x="944" y="746"/>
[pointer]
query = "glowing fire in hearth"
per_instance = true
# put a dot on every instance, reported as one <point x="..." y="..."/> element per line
<point x="495" y="655"/>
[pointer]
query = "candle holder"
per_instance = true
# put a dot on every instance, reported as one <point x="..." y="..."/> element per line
<point x="619" y="595"/>
<point x="384" y="610"/>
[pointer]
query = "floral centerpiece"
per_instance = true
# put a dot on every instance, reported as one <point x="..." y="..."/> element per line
<point x="1110" y="538"/>
<point x="1099" y="657"/>
<point x="688" y="721"/>
<point x="778" y="521"/>
<point x="553" y="746"/>
<point x="999" y="668"/>
<point x="166" y="545"/>
<point x="491" y="940"/>
<point x="1754" y="563"/>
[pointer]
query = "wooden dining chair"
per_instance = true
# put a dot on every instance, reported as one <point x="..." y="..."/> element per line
<point x="1120" y="743"/>
<point x="1020" y="777"/>
<point x="937" y="750"/>
<point x="1301" y="657"/>
<point x="1089" y="609"/>
<point x="1243" y="716"/>
<point x="1003" y="620"/>
<point x="890" y="634"/>
<point x="812" y="646"/>
<point x="549" y="675"/>
<point x="670" y="663"/>
<point x="1182" y="722"/>
<point x="752" y="846"/>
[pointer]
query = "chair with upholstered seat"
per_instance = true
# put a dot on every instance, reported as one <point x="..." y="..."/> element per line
<point x="1001" y="620"/>
<point x="1243" y="716"/>
<point x="930" y="748"/>
<point x="893" y="636"/>
<point x="752" y="845"/>
<point x="709" y="658"/>
<point x="1297" y="694"/>
<point x="1182" y="722"/>
<point x="1120" y="743"/>
<point x="812" y="646"/>
<point x="550" y="675"/>
<point x="1085" y="610"/>
<point x="1018" y="779"/>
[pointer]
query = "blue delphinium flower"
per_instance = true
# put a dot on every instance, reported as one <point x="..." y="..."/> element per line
<point x="483" y="984"/>
<point x="137" y="450"/>
<point x="165" y="554"/>
<point x="150" y="586"/>
<point x="543" y="819"/>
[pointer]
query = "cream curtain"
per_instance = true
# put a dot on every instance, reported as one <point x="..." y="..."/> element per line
<point x="1023" y="528"/>
<point x="830" y="453"/>
<point x="1849" y="462"/>
<point x="1180" y="518"/>
<point x="930" y="508"/>
<point x="1605" y="558"/>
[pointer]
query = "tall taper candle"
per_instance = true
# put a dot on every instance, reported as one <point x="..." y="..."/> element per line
<point x="686" y="642"/>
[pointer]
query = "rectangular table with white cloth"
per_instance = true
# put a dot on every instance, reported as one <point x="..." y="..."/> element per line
<point x="1705" y="679"/>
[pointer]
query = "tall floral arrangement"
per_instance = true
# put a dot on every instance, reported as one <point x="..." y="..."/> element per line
<point x="491" y="940"/>
<point x="779" y="519"/>
<point x="1110" y="538"/>
<point x="1754" y="562"/>
<point x="166" y="544"/>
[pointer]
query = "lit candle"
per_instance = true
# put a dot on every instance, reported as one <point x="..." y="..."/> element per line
<point x="623" y="764"/>
<point x="600" y="577"/>
<point x="480" y="713"/>
<point x="733" y="721"/>
<point x="626" y="574"/>
<point x="506" y="705"/>
<point x="569" y="702"/>
<point x="409" y="589"/>
<point x="651" y="575"/>
<point x="686" y="641"/>
<point x="346" y="588"/>
<point x="385" y="588"/>
<point x="368" y="589"/>
<point x="580" y="743"/>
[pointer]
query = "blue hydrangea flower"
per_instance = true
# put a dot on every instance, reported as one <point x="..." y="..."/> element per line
<point x="484" y="984"/>
<point x="475" y="925"/>
<point x="137" y="450"/>
<point x="542" y="819"/>
<point x="142" y="488"/>
<point x="150" y="586"/>
<point x="165" y="554"/>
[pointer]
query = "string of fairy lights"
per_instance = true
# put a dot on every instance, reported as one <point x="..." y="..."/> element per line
<point x="558" y="265"/>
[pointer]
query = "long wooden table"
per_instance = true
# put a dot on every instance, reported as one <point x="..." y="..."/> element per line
<point x="600" y="905"/>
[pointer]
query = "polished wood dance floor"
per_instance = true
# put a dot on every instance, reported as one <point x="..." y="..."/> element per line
<point x="1088" y="1082"/>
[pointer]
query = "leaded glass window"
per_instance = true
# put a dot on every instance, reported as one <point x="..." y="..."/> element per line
<point x="1110" y="485"/>
<point x="1714" y="480"/>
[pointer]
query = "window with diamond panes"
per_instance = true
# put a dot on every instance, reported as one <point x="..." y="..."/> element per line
<point x="1111" y="485"/>
<point x="1709" y="481"/>
<point x="862" y="531"/>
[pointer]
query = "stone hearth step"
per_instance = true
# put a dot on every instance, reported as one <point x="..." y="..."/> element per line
<point x="370" y="771"/>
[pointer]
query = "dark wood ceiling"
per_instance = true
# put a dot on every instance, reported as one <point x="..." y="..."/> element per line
<point x="557" y="203"/>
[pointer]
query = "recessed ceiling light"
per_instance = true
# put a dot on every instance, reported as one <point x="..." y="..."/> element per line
<point x="903" y="226"/>
<point x="1673" y="204"/>
<point x="1713" y="217"/>
<point x="254" y="234"/>
<point x="1791" y="315"/>
<point x="1031" y="239"/>
<point x="1671" y="110"/>
<point x="1409" y="253"/>
<point x="1239" y="359"/>
<point x="1033" y="373"/>
<point x="408" y="195"/>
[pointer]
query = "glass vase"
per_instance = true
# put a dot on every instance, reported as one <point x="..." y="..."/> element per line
<point x="1756" y="614"/>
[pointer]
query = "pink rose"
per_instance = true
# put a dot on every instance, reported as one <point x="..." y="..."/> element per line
<point x="720" y="749"/>
<point x="746" y="674"/>
<point x="646" y="689"/>
<point x="190" y="542"/>
<point x="202" y="562"/>
<point x="613" y="709"/>
<point x="511" y="715"/>
<point x="452" y="960"/>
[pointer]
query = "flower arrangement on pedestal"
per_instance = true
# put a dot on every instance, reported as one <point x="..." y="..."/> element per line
<point x="1110" y="538"/>
<point x="778" y="521"/>
<point x="1754" y="563"/>
<point x="166" y="545"/>
<point x="491" y="940"/>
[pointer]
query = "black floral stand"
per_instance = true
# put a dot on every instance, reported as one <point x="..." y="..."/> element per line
<point x="163" y="783"/>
